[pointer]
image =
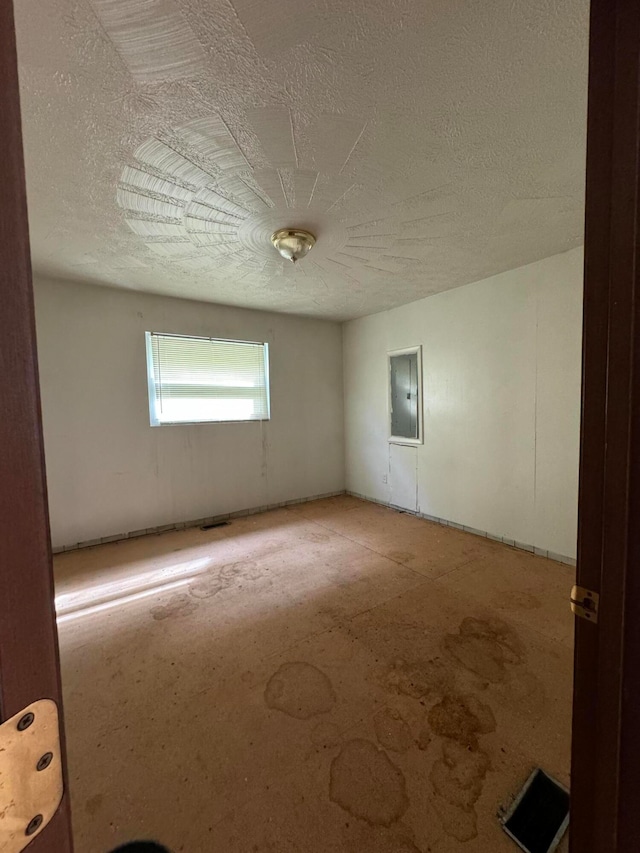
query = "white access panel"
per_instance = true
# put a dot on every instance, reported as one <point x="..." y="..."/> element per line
<point x="403" y="476"/>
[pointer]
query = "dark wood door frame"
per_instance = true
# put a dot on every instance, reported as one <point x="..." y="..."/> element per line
<point x="29" y="667"/>
<point x="605" y="778"/>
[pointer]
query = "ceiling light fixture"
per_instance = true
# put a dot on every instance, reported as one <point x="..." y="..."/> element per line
<point x="292" y="243"/>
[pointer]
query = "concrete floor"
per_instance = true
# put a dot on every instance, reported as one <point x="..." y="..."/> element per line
<point x="334" y="676"/>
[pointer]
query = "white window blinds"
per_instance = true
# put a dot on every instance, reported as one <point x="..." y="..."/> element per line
<point x="196" y="380"/>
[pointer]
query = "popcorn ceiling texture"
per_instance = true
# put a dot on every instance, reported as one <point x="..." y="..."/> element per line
<point x="426" y="144"/>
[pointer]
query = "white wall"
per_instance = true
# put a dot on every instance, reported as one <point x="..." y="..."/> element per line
<point x="501" y="367"/>
<point x="109" y="472"/>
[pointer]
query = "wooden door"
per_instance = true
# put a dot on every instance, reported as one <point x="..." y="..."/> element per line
<point x="29" y="666"/>
<point x="605" y="777"/>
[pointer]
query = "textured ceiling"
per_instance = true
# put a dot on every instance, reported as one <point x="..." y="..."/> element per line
<point x="426" y="144"/>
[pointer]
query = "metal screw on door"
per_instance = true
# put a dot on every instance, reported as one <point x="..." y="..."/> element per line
<point x="25" y="721"/>
<point x="45" y="761"/>
<point x="34" y="824"/>
<point x="31" y="770"/>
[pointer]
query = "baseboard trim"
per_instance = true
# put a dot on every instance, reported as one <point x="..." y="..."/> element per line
<point x="243" y="513"/>
<point x="521" y="546"/>
<point x="196" y="522"/>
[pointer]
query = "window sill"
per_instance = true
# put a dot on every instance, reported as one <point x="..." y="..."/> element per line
<point x="398" y="440"/>
<point x="209" y="423"/>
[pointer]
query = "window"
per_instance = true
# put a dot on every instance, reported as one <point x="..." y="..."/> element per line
<point x="405" y="392"/>
<point x="202" y="380"/>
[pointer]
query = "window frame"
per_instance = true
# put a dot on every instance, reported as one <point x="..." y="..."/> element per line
<point x="151" y="387"/>
<point x="399" y="439"/>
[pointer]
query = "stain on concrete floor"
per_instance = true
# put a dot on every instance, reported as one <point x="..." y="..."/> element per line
<point x="486" y="647"/>
<point x="367" y="784"/>
<point x="392" y="730"/>
<point x="461" y="718"/>
<point x="303" y="691"/>
<point x="299" y="690"/>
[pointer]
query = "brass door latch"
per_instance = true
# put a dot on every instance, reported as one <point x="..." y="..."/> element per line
<point x="584" y="603"/>
<point x="30" y="774"/>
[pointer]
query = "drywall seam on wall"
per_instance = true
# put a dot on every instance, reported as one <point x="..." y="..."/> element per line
<point x="501" y="375"/>
<point x="109" y="471"/>
<point x="535" y="405"/>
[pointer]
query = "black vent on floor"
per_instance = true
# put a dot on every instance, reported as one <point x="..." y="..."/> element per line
<point x="215" y="524"/>
<point x="539" y="817"/>
<point x="141" y="847"/>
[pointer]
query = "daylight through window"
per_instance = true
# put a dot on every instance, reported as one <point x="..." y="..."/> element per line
<point x="200" y="380"/>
